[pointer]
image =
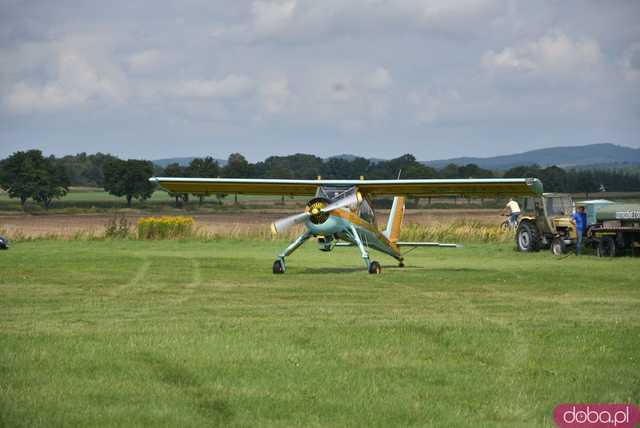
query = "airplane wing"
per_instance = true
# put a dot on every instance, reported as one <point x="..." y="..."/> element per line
<point x="411" y="188"/>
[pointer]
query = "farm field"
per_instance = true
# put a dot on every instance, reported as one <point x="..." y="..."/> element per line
<point x="68" y="225"/>
<point x="189" y="333"/>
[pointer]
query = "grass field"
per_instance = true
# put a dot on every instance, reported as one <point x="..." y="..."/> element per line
<point x="187" y="333"/>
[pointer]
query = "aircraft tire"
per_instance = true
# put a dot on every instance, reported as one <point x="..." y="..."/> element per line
<point x="278" y="267"/>
<point x="375" y="268"/>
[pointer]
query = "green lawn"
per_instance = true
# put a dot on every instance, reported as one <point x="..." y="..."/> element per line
<point x="87" y="198"/>
<point x="131" y="333"/>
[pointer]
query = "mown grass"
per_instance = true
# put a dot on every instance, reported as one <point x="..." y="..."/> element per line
<point x="189" y="333"/>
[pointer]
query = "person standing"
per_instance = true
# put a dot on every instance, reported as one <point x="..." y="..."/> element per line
<point x="579" y="218"/>
<point x="514" y="212"/>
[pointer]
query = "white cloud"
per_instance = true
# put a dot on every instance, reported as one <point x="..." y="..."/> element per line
<point x="274" y="95"/>
<point x="77" y="81"/>
<point x="272" y="17"/>
<point x="379" y="79"/>
<point x="631" y="63"/>
<point x="554" y="54"/>
<point x="231" y="86"/>
<point x="143" y="61"/>
<point x="430" y="105"/>
<point x="310" y="20"/>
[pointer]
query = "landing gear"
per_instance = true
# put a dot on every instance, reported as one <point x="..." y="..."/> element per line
<point x="401" y="263"/>
<point x="278" y="266"/>
<point x="375" y="268"/>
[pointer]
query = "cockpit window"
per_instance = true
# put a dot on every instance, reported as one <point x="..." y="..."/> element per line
<point x="366" y="212"/>
<point x="334" y="193"/>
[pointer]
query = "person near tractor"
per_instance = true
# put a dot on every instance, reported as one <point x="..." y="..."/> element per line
<point x="579" y="218"/>
<point x="513" y="210"/>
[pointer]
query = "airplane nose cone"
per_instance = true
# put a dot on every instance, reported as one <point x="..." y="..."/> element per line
<point x="315" y="211"/>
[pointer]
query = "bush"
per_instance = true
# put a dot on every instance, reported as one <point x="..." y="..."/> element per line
<point x="117" y="227"/>
<point x="166" y="227"/>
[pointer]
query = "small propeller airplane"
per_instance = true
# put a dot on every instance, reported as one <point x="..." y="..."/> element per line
<point x="341" y="213"/>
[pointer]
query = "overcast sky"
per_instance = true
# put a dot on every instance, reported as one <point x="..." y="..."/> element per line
<point x="374" y="78"/>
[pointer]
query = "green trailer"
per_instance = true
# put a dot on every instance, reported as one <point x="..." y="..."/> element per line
<point x="616" y="231"/>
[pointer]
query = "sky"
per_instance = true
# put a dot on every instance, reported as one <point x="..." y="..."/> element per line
<point x="436" y="78"/>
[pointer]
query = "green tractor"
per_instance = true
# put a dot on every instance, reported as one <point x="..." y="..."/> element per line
<point x="545" y="222"/>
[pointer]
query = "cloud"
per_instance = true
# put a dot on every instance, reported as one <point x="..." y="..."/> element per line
<point x="431" y="105"/>
<point x="379" y="79"/>
<point x="301" y="21"/>
<point x="77" y="82"/>
<point x="552" y="54"/>
<point x="631" y="63"/>
<point x="272" y="17"/>
<point x="232" y="86"/>
<point x="274" y="95"/>
<point x="144" y="61"/>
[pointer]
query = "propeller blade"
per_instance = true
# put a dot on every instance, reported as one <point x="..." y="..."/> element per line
<point x="285" y="223"/>
<point x="352" y="199"/>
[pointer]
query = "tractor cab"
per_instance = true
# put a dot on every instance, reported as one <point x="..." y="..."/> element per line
<point x="546" y="222"/>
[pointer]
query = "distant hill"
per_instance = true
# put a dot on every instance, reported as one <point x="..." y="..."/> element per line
<point x="350" y="158"/>
<point x="182" y="161"/>
<point x="592" y="156"/>
<point x="573" y="156"/>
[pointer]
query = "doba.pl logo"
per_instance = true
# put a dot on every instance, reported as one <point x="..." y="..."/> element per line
<point x="596" y="415"/>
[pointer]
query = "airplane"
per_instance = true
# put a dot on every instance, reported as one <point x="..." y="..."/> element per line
<point x="340" y="212"/>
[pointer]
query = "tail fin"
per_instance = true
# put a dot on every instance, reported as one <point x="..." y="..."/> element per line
<point x="396" y="215"/>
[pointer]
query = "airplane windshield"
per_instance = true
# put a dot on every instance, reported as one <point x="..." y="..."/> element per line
<point x="334" y="193"/>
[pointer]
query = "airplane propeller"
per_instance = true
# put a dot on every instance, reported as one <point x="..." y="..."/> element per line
<point x="317" y="210"/>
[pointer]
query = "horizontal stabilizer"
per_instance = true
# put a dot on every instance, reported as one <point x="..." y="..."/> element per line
<point x="410" y="244"/>
<point x="427" y="244"/>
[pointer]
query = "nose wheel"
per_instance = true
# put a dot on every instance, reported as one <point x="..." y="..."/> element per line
<point x="278" y="266"/>
<point x="375" y="268"/>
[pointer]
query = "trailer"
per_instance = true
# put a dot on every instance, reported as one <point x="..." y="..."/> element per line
<point x="616" y="230"/>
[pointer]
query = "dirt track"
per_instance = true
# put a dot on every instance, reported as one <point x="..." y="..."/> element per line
<point x="71" y="224"/>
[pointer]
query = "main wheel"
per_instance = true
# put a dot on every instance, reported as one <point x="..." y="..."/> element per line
<point x="375" y="268"/>
<point x="278" y="266"/>
<point x="558" y="247"/>
<point x="527" y="237"/>
<point x="606" y="247"/>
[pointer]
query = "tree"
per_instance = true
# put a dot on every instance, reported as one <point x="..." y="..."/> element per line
<point x="28" y="174"/>
<point x="203" y="168"/>
<point x="237" y="167"/>
<point x="128" y="178"/>
<point x="177" y="170"/>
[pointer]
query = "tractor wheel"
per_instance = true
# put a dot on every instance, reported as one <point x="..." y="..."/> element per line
<point x="527" y="237"/>
<point x="558" y="247"/>
<point x="278" y="267"/>
<point x="375" y="268"/>
<point x="606" y="247"/>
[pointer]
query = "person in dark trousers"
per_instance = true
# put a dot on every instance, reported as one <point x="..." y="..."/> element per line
<point x="579" y="218"/>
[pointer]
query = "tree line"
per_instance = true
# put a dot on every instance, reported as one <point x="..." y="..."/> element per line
<point x="30" y="175"/>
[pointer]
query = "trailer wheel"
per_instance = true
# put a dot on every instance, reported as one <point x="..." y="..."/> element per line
<point x="607" y="247"/>
<point x="558" y="247"/>
<point x="527" y="237"/>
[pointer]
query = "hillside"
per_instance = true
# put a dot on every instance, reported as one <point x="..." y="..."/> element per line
<point x="575" y="156"/>
<point x="182" y="161"/>
<point x="596" y="156"/>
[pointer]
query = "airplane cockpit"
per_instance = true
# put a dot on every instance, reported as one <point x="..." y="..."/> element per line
<point x="334" y="193"/>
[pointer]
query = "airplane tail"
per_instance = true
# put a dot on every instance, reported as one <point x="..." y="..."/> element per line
<point x="396" y="215"/>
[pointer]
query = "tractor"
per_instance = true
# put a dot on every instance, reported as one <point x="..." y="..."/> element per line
<point x="545" y="222"/>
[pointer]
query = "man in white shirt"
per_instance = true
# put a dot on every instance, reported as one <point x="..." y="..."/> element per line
<point x="514" y="211"/>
